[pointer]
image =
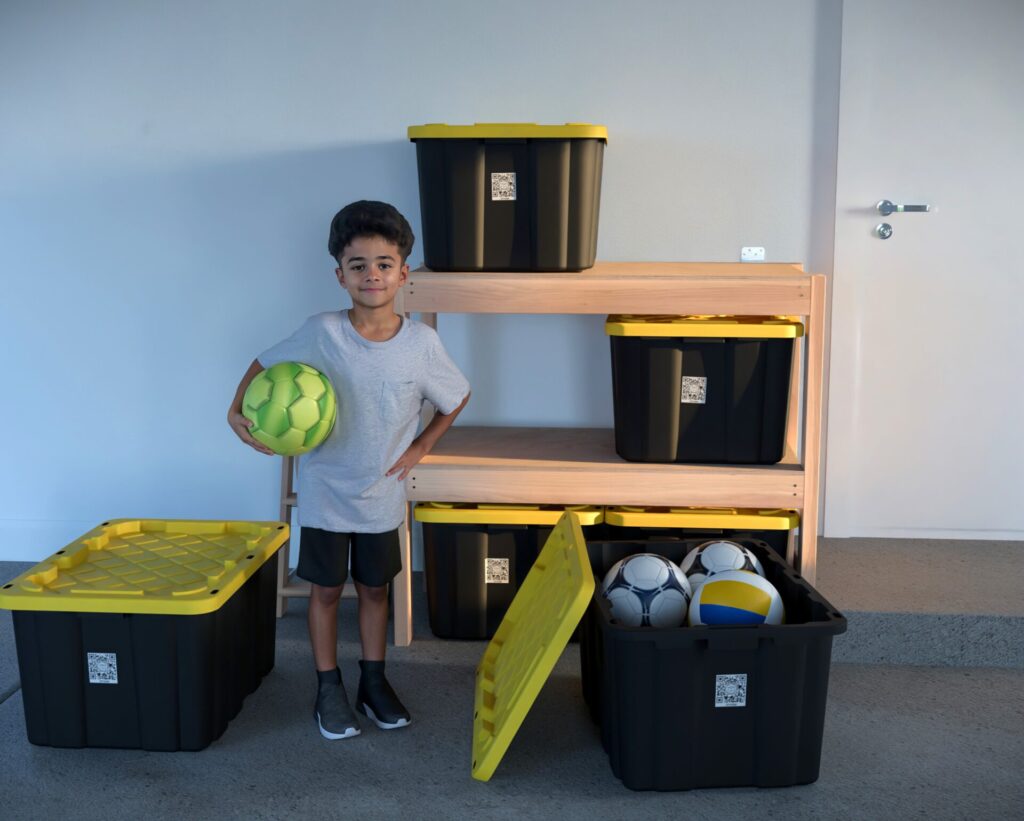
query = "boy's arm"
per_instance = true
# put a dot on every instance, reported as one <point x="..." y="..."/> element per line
<point x="239" y="424"/>
<point x="424" y="443"/>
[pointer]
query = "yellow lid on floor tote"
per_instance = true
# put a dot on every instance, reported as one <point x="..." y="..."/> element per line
<point x="528" y="642"/>
<point x="488" y="514"/>
<point x="508" y="131"/>
<point x="731" y="327"/>
<point x="716" y="518"/>
<point x="157" y="566"/>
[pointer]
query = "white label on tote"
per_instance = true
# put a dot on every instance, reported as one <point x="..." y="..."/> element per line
<point x="731" y="690"/>
<point x="102" y="668"/>
<point x="503" y="186"/>
<point x="694" y="390"/>
<point x="496" y="571"/>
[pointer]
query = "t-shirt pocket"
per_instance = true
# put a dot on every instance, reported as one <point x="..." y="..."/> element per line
<point x="399" y="401"/>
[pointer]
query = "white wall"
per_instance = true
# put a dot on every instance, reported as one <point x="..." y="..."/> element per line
<point x="168" y="173"/>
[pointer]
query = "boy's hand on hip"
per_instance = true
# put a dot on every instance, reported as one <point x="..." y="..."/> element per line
<point x="240" y="425"/>
<point x="407" y="461"/>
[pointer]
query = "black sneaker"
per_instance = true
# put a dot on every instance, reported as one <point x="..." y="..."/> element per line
<point x="333" y="713"/>
<point x="377" y="700"/>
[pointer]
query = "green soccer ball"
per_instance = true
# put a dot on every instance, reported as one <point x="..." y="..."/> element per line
<point x="292" y="407"/>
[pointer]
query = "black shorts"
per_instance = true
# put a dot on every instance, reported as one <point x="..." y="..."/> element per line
<point x="323" y="557"/>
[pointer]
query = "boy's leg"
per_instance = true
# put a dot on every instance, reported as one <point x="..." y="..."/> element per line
<point x="376" y="560"/>
<point x="323" y="625"/>
<point x="373" y="620"/>
<point x="323" y="561"/>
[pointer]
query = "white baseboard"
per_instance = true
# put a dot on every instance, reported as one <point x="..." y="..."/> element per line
<point x="926" y="533"/>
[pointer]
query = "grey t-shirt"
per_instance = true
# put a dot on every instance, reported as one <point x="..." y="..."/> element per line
<point x="380" y="388"/>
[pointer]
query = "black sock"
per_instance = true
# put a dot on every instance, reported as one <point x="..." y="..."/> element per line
<point x="371" y="667"/>
<point x="329" y="676"/>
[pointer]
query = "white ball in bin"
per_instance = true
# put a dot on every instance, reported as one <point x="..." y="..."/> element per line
<point x="647" y="590"/>
<point x="714" y="557"/>
<point x="736" y="597"/>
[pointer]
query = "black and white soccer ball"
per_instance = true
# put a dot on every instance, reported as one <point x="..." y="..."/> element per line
<point x="647" y="590"/>
<point x="715" y="556"/>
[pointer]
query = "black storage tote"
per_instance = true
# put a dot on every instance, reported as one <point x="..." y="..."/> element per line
<point x="710" y="706"/>
<point x="476" y="557"/>
<point x="701" y="389"/>
<point x="509" y="196"/>
<point x="146" y="633"/>
<point x="773" y="527"/>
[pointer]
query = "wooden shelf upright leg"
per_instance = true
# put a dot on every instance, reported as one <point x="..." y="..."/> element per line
<point x="791" y="450"/>
<point x="287" y="494"/>
<point x="808" y="565"/>
<point x="795" y="418"/>
<point x="430" y="320"/>
<point x="401" y="587"/>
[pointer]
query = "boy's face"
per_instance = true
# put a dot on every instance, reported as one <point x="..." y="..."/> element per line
<point x="372" y="271"/>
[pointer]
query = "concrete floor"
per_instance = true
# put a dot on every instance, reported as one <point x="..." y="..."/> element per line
<point x="900" y="741"/>
<point x="934" y="576"/>
<point x="926" y="601"/>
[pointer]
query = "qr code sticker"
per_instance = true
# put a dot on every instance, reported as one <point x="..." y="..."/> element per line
<point x="102" y="668"/>
<point x="695" y="390"/>
<point x="503" y="185"/>
<point x="731" y="690"/>
<point x="496" y="571"/>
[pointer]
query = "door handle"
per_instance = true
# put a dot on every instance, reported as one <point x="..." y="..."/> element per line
<point x="887" y="207"/>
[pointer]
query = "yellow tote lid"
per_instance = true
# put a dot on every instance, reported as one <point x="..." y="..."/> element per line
<point x="748" y="327"/>
<point x="698" y="517"/>
<point x="508" y="131"/>
<point x="169" y="567"/>
<point x="528" y="642"/>
<point x="486" y="514"/>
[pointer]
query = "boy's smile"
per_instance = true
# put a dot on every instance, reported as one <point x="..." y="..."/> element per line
<point x="372" y="271"/>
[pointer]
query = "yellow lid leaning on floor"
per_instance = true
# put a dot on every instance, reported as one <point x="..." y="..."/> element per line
<point x="508" y="131"/>
<point x="158" y="566"/>
<point x="702" y="517"/>
<point x="748" y="327"/>
<point x="528" y="642"/>
<point x="468" y="514"/>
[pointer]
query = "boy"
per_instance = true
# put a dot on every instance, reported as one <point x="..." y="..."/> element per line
<point x="351" y="496"/>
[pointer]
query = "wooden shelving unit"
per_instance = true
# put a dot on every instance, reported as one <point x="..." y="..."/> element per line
<point x="619" y="288"/>
<point x="579" y="466"/>
<point x="576" y="466"/>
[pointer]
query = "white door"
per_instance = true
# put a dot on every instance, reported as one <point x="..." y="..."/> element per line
<point x="926" y="401"/>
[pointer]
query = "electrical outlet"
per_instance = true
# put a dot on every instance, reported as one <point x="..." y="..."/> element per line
<point x="751" y="254"/>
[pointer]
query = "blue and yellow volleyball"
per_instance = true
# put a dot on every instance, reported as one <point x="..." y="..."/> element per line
<point x="736" y="597"/>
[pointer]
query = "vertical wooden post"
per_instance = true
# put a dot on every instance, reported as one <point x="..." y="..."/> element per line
<point x="791" y="451"/>
<point x="812" y="430"/>
<point x="430" y="320"/>
<point x="287" y="489"/>
<point x="401" y="587"/>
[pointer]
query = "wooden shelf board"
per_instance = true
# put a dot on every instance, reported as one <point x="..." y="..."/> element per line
<point x="618" y="287"/>
<point x="580" y="466"/>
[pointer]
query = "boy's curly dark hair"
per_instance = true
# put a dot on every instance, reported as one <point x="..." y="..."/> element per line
<point x="369" y="218"/>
